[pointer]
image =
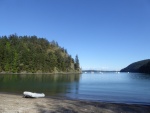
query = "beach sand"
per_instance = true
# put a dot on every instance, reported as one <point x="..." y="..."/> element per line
<point x="10" y="103"/>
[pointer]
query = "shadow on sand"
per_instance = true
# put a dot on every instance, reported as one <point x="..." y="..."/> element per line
<point x="76" y="106"/>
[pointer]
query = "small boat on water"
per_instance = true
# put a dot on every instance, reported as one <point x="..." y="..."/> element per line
<point x="28" y="94"/>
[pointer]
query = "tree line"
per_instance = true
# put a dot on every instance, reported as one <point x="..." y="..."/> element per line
<point x="35" y="55"/>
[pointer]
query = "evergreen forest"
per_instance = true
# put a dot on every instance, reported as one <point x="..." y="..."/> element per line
<point x="31" y="54"/>
<point x="142" y="66"/>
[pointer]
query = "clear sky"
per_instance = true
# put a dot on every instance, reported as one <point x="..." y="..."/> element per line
<point x="105" y="34"/>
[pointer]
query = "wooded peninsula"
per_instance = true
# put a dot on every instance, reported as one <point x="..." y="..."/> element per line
<point x="31" y="54"/>
<point x="142" y="66"/>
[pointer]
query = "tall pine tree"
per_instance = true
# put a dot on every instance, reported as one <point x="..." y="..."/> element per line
<point x="77" y="65"/>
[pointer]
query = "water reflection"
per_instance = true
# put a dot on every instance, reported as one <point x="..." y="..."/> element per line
<point x="138" y="76"/>
<point x="109" y="87"/>
<point x="49" y="84"/>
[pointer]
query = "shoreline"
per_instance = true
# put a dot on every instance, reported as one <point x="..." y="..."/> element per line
<point x="41" y="73"/>
<point x="16" y="103"/>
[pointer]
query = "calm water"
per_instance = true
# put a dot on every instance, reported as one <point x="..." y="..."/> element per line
<point x="107" y="87"/>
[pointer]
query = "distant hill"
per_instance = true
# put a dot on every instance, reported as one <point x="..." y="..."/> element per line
<point x="140" y="67"/>
<point x="30" y="54"/>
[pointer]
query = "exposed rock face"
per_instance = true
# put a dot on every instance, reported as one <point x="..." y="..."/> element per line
<point x="140" y="67"/>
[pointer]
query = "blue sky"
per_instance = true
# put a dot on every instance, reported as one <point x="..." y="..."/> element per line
<point x="106" y="34"/>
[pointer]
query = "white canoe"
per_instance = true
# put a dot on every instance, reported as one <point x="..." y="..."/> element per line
<point x="33" y="95"/>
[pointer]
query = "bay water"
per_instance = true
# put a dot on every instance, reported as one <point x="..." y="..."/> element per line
<point x="131" y="88"/>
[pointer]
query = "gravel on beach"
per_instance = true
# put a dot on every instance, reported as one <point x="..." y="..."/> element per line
<point x="10" y="103"/>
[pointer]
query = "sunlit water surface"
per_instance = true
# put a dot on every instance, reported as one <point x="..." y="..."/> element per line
<point x="131" y="88"/>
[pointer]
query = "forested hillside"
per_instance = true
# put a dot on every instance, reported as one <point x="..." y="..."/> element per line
<point x="142" y="66"/>
<point x="30" y="54"/>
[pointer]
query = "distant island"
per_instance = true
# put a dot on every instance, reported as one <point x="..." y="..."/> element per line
<point x="139" y="67"/>
<point x="31" y="54"/>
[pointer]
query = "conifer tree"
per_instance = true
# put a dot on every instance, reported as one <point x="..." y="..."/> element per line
<point x="77" y="65"/>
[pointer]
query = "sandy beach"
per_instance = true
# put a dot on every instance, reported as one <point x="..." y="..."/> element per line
<point x="10" y="103"/>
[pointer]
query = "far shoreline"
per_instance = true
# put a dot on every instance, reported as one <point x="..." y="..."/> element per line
<point x="42" y="73"/>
